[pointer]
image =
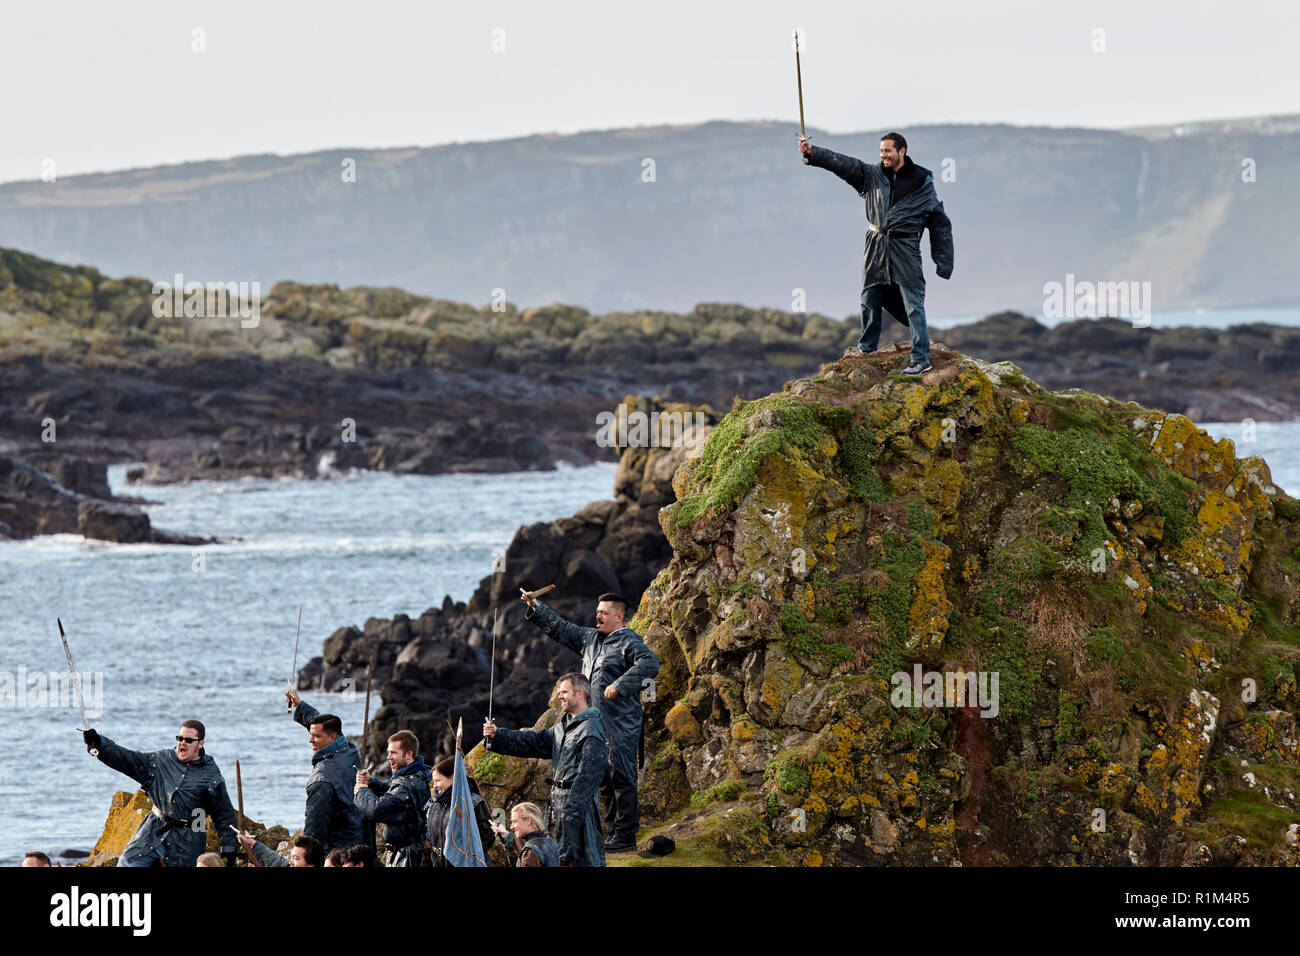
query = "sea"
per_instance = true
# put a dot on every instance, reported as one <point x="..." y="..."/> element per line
<point x="164" y="633"/>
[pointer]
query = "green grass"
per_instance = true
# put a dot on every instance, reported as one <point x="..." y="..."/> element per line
<point x="724" y="792"/>
<point x="858" y="453"/>
<point x="1248" y="813"/>
<point x="489" y="767"/>
<point x="730" y="461"/>
<point x="1067" y="718"/>
<point x="666" y="755"/>
<point x="901" y="559"/>
<point x="805" y="637"/>
<point x="1098" y="468"/>
<point x="789" y="774"/>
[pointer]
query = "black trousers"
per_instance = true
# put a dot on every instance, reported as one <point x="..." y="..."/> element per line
<point x="618" y="799"/>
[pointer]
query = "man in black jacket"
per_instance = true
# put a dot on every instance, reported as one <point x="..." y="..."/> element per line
<point x="619" y="665"/>
<point x="332" y="816"/>
<point x="901" y="203"/>
<point x="399" y="803"/>
<point x="186" y="787"/>
<point x="579" y="759"/>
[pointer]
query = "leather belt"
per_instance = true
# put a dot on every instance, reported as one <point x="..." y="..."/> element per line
<point x="559" y="784"/>
<point x="169" y="823"/>
<point x="890" y="233"/>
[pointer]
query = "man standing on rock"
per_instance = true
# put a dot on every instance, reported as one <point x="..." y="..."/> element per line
<point x="901" y="202"/>
<point x="576" y="746"/>
<point x="332" y="816"/>
<point x="398" y="804"/>
<point x="186" y="787"/>
<point x="619" y="665"/>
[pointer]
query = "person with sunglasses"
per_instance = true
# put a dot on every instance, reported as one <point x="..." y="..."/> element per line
<point x="186" y="787"/>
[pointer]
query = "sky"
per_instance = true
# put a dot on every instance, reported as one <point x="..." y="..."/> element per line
<point x="98" y="86"/>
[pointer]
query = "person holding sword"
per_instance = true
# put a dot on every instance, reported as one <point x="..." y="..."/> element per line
<point x="619" y="666"/>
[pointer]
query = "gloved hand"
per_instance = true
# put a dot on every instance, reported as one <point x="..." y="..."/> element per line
<point x="229" y="855"/>
<point x="91" y="737"/>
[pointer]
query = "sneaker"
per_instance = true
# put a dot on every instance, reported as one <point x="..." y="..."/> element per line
<point x="917" y="368"/>
<point x="622" y="847"/>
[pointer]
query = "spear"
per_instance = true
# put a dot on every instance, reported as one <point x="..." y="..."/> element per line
<point x="76" y="682"/>
<point x="239" y="790"/>
<point x="798" y="75"/>
<point x="293" y="673"/>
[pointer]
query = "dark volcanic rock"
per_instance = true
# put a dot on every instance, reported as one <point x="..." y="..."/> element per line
<point x="434" y="670"/>
<point x="34" y="501"/>
<point x="109" y="521"/>
<point x="85" y="477"/>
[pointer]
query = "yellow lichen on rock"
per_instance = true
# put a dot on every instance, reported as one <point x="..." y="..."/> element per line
<point x="124" y="816"/>
<point x="927" y="621"/>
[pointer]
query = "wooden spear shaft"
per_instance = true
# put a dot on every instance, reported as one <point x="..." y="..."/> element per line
<point x="239" y="790"/>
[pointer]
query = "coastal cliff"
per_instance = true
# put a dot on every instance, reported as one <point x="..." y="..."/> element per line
<point x="1118" y="592"/>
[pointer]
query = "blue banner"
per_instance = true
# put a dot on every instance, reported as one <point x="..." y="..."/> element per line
<point x="461" y="845"/>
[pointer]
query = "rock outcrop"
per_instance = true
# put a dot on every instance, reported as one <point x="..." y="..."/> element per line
<point x="434" y="670"/>
<point x="331" y="379"/>
<point x="128" y="809"/>
<point x="962" y="619"/>
<point x="34" y="501"/>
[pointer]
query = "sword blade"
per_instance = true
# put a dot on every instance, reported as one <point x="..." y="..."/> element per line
<point x="798" y="73"/>
<point x="294" y="672"/>
<point x="365" y="724"/>
<point x="76" y="681"/>
<point x="492" y="681"/>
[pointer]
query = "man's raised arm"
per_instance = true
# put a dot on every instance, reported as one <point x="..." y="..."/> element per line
<point x="852" y="171"/>
<point x="138" y="766"/>
<point x="557" y="628"/>
<point x="517" y="743"/>
<point x="303" y="712"/>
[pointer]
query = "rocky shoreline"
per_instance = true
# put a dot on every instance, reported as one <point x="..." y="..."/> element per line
<point x="332" y="379"/>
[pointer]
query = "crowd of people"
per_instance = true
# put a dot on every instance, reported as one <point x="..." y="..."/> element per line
<point x="592" y="748"/>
